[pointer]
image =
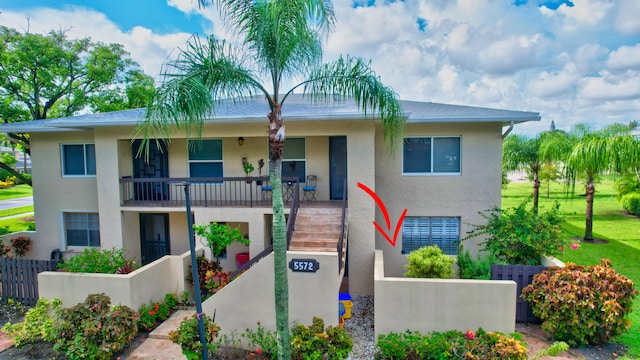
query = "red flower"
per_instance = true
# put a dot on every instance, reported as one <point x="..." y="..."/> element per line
<point x="469" y="335"/>
<point x="259" y="351"/>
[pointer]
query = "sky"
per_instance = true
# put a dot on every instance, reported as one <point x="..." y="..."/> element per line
<point x="573" y="61"/>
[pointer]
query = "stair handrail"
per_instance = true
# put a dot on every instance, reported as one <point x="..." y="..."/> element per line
<point x="293" y="213"/>
<point x="342" y="226"/>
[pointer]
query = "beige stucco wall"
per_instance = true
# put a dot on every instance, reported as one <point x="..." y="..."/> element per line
<point x="149" y="283"/>
<point x="476" y="188"/>
<point x="53" y="194"/>
<point x="250" y="298"/>
<point x="427" y="305"/>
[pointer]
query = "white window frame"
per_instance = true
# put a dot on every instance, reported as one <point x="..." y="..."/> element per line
<point x="221" y="161"/>
<point x="65" y="242"/>
<point x="451" y="229"/>
<point x="84" y="158"/>
<point x="304" y="178"/>
<point x="432" y="173"/>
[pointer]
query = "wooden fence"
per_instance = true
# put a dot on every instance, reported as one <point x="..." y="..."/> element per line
<point x="523" y="276"/>
<point x="20" y="278"/>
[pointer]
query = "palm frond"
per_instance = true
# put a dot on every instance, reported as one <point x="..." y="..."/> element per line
<point x="203" y="74"/>
<point x="354" y="78"/>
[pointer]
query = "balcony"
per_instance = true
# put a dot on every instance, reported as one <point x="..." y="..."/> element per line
<point x="204" y="192"/>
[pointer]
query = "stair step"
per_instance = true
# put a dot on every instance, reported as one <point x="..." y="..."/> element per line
<point x="314" y="227"/>
<point x="172" y="323"/>
<point x="314" y="249"/>
<point x="320" y="211"/>
<point x="318" y="219"/>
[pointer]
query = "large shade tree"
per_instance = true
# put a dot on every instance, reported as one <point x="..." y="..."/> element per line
<point x="277" y="40"/>
<point x="44" y="76"/>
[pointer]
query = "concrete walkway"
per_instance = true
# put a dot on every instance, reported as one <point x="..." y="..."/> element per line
<point x="158" y="346"/>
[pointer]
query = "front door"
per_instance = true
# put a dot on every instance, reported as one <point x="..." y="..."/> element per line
<point x="337" y="166"/>
<point x="154" y="237"/>
<point x="156" y="167"/>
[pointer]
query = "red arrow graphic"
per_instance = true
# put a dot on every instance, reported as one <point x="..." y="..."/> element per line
<point x="385" y="213"/>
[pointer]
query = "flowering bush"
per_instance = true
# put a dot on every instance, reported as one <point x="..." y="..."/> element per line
<point x="518" y="236"/>
<point x="450" y="345"/>
<point x="215" y="280"/>
<point x="582" y="305"/>
<point x="21" y="245"/>
<point x="316" y="342"/>
<point x="188" y="337"/>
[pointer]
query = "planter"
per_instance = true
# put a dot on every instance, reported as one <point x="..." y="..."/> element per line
<point x="523" y="276"/>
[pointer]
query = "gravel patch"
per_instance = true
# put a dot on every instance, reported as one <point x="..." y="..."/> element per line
<point x="360" y="328"/>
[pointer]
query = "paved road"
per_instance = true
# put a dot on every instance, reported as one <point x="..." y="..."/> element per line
<point x="17" y="202"/>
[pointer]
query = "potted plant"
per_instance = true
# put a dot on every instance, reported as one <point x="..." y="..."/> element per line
<point x="260" y="166"/>
<point x="248" y="168"/>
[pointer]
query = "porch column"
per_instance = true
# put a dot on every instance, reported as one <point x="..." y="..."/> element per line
<point x="108" y="186"/>
<point x="362" y="209"/>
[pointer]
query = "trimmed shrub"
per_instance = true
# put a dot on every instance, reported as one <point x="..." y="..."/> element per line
<point x="37" y="325"/>
<point x="631" y="203"/>
<point x="582" y="305"/>
<point x="449" y="345"/>
<point x="316" y="342"/>
<point x="429" y="262"/>
<point x="188" y="337"/>
<point x="92" y="260"/>
<point x="95" y="330"/>
<point x="475" y="269"/>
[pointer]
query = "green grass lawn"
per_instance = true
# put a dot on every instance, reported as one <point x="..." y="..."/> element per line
<point x="610" y="223"/>
<point x="17" y="223"/>
<point x="17" y="191"/>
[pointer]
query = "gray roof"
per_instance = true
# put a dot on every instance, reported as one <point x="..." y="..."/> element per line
<point x="297" y="108"/>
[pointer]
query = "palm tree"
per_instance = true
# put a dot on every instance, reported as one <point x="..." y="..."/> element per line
<point x="533" y="153"/>
<point x="277" y="40"/>
<point x="610" y="149"/>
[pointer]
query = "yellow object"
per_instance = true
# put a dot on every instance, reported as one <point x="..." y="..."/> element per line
<point x="348" y="304"/>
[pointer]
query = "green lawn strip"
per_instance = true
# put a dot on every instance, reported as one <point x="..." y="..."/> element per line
<point x="15" y="224"/>
<point x="16" y="191"/>
<point x="609" y="223"/>
<point x="16" y="211"/>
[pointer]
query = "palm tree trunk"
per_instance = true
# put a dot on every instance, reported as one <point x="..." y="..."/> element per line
<point x="281" y="281"/>
<point x="536" y="191"/>
<point x="588" y="228"/>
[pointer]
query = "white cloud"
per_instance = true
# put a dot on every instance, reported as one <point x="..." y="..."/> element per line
<point x="609" y="86"/>
<point x="624" y="58"/>
<point x="548" y="85"/>
<point x="627" y="17"/>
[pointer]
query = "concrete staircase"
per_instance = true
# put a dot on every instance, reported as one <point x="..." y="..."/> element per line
<point x="317" y="229"/>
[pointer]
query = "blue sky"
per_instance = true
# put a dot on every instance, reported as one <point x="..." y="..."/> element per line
<point x="573" y="61"/>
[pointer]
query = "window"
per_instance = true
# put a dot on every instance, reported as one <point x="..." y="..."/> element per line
<point x="205" y="159"/>
<point x="78" y="159"/>
<point x="82" y="229"/>
<point x="294" y="163"/>
<point x="426" y="231"/>
<point x="431" y="155"/>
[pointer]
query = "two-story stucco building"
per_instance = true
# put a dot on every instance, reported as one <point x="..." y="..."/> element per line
<point x="90" y="188"/>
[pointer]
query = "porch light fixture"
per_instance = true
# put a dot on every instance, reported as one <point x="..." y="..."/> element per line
<point x="240" y="141"/>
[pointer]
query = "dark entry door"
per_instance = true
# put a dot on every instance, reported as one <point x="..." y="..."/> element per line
<point x="337" y="165"/>
<point x="154" y="237"/>
<point x="156" y="167"/>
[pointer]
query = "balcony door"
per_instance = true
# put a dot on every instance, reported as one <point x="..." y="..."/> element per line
<point x="337" y="166"/>
<point x="157" y="166"/>
<point x="154" y="237"/>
